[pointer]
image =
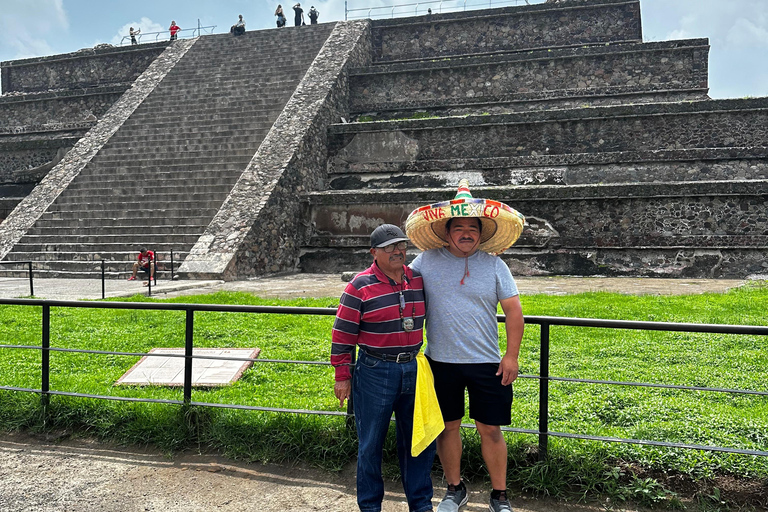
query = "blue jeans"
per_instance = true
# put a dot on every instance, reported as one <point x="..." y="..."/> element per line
<point x="380" y="388"/>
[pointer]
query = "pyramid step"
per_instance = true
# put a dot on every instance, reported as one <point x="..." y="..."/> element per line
<point x="133" y="206"/>
<point x="129" y="230"/>
<point x="110" y="225"/>
<point x="115" y="251"/>
<point x="78" y="269"/>
<point x="114" y="241"/>
<point x="159" y="185"/>
<point x="181" y="215"/>
<point x="126" y="170"/>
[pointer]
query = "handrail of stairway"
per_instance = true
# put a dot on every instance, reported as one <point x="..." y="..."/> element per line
<point x="29" y="264"/>
<point x="443" y="6"/>
<point x="183" y="33"/>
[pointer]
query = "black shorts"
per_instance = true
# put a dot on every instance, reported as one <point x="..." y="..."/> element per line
<point x="489" y="402"/>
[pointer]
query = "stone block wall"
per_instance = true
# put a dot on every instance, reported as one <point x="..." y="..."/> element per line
<point x="704" y="229"/>
<point x="600" y="130"/>
<point x="85" y="68"/>
<point x="578" y="169"/>
<point x="614" y="70"/>
<point x="61" y="108"/>
<point x="575" y="23"/>
<point x="25" y="161"/>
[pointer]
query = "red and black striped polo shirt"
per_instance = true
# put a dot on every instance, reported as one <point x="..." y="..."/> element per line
<point x="369" y="316"/>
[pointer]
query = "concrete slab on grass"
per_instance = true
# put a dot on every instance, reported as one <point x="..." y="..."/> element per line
<point x="166" y="368"/>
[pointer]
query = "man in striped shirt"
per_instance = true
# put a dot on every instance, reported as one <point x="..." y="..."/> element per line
<point x="382" y="312"/>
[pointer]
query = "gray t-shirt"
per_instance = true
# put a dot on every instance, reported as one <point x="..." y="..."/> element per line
<point x="461" y="319"/>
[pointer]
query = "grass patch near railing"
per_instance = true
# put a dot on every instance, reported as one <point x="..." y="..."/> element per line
<point x="580" y="469"/>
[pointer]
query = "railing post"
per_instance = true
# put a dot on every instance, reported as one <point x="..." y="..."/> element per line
<point x="152" y="262"/>
<point x="31" y="286"/>
<point x="345" y="10"/>
<point x="171" y="265"/>
<point x="544" y="392"/>
<point x="45" y="357"/>
<point x="188" y="344"/>
<point x="103" y="284"/>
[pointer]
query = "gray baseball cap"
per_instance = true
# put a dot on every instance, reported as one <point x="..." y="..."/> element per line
<point x="387" y="234"/>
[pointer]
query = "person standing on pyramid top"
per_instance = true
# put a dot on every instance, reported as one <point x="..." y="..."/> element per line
<point x="464" y="282"/>
<point x="298" y="18"/>
<point x="174" y="30"/>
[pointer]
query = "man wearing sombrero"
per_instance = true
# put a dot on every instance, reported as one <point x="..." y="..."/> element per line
<point x="464" y="281"/>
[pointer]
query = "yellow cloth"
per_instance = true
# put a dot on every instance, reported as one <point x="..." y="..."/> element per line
<point x="427" y="418"/>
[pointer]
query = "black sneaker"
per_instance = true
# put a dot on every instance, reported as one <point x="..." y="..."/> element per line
<point x="500" y="505"/>
<point x="455" y="498"/>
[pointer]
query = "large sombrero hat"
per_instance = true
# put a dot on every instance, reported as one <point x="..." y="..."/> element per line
<point x="501" y="228"/>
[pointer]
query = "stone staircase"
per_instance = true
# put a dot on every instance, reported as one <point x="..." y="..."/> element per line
<point x="161" y="178"/>
<point x="609" y="146"/>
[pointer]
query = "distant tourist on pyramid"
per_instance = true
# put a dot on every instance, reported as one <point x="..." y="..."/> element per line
<point x="280" y="16"/>
<point x="133" y="34"/>
<point x="174" y="29"/>
<point x="299" y="17"/>
<point x="146" y="262"/>
<point x="238" y="28"/>
<point x="313" y="15"/>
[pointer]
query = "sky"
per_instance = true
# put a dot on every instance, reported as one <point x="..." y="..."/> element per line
<point x="737" y="29"/>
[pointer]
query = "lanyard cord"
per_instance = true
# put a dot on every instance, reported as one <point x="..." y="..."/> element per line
<point x="403" y="305"/>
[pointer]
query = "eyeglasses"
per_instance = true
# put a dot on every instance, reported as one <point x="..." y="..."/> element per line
<point x="391" y="247"/>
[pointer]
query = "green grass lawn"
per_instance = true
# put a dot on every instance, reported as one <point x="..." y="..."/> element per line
<point x="582" y="467"/>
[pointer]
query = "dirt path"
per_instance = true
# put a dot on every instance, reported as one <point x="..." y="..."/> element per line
<point x="84" y="475"/>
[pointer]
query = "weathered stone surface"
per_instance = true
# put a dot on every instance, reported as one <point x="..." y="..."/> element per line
<point x="599" y="131"/>
<point x="522" y="28"/>
<point x="85" y="68"/>
<point x="740" y="163"/>
<point x="64" y="107"/>
<point x="663" y="229"/>
<point x="539" y="78"/>
<point x="259" y="229"/>
<point x="617" y="171"/>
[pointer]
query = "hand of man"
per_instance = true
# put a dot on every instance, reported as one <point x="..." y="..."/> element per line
<point x="343" y="390"/>
<point x="508" y="369"/>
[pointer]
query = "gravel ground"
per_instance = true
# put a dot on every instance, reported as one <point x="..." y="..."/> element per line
<point x="76" y="475"/>
<point x="331" y="285"/>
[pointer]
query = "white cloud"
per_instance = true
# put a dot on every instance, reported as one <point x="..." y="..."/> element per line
<point x="27" y="26"/>
<point x="149" y="30"/>
<point x="745" y="33"/>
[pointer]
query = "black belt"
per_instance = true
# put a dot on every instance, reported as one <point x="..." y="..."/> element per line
<point x="402" y="357"/>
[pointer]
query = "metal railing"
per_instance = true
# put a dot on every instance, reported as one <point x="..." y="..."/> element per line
<point x="427" y="7"/>
<point x="163" y="35"/>
<point x="171" y="268"/>
<point x="544" y="377"/>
